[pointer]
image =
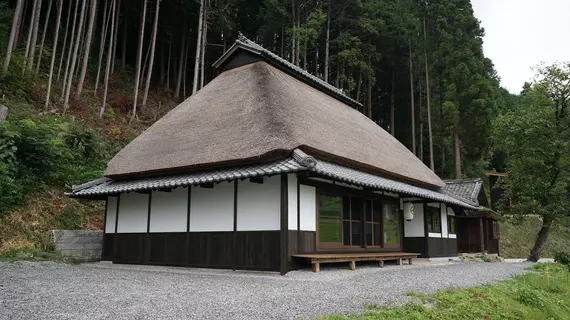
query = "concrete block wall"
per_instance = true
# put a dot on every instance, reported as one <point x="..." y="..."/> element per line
<point x="84" y="245"/>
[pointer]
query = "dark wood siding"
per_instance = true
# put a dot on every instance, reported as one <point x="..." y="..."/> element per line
<point x="167" y="248"/>
<point x="416" y="245"/>
<point x="258" y="250"/>
<point x="107" y="254"/>
<point x="211" y="249"/>
<point x="442" y="247"/>
<point x="129" y="248"/>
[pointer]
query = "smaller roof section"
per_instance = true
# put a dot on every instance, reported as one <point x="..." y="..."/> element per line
<point x="467" y="190"/>
<point x="258" y="51"/>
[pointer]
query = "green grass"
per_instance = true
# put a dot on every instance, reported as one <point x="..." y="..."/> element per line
<point x="34" y="254"/>
<point x="518" y="235"/>
<point x="543" y="293"/>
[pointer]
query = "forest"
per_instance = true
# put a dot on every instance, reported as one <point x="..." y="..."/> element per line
<point x="80" y="78"/>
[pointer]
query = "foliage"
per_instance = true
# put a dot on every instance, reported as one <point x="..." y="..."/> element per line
<point x="542" y="294"/>
<point x="562" y="258"/>
<point x="34" y="254"/>
<point x="47" y="151"/>
<point x="516" y="242"/>
<point x="536" y="139"/>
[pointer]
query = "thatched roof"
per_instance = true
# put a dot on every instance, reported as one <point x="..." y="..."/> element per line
<point x="256" y="113"/>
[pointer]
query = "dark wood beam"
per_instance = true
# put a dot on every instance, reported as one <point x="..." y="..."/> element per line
<point x="189" y="202"/>
<point x="235" y="223"/>
<point x="256" y="180"/>
<point x="481" y="235"/>
<point x="207" y="185"/>
<point x="164" y="189"/>
<point x="284" y="213"/>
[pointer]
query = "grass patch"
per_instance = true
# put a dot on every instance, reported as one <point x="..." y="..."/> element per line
<point x="34" y="254"/>
<point x="543" y="293"/>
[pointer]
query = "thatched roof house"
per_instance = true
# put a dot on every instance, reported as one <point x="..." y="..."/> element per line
<point x="257" y="155"/>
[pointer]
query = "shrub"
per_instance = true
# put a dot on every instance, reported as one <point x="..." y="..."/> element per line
<point x="44" y="152"/>
<point x="562" y="258"/>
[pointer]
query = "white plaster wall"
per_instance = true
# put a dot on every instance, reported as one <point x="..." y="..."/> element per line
<point x="212" y="209"/>
<point x="133" y="213"/>
<point x="308" y="208"/>
<point x="444" y="231"/>
<point x="169" y="210"/>
<point x="259" y="205"/>
<point x="415" y="228"/>
<point x="292" y="201"/>
<point x="111" y="215"/>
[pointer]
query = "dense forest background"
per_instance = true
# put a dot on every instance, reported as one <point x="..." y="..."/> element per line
<point x="80" y="78"/>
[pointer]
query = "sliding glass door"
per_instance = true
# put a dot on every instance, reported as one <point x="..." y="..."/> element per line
<point x="349" y="222"/>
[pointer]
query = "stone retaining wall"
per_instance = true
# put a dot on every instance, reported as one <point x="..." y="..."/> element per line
<point x="83" y="245"/>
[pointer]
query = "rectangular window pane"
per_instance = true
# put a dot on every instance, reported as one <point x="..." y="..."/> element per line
<point x="329" y="207"/>
<point x="346" y="232"/>
<point x="377" y="234"/>
<point x="369" y="234"/>
<point x="356" y="234"/>
<point x="391" y="224"/>
<point x="377" y="210"/>
<point x="346" y="208"/>
<point x="451" y="224"/>
<point x="434" y="219"/>
<point x="329" y="231"/>
<point x="368" y="210"/>
<point x="356" y="208"/>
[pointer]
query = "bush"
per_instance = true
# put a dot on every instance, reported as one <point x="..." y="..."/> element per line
<point x="562" y="258"/>
<point x="45" y="152"/>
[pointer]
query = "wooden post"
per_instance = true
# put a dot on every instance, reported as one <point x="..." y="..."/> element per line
<point x="399" y="261"/>
<point x="316" y="267"/>
<point x="481" y="235"/>
<point x="187" y="255"/>
<point x="410" y="261"/>
<point x="352" y="265"/>
<point x="381" y="263"/>
<point x="283" y="238"/>
<point x="115" y="237"/>
<point x="235" y="223"/>
<point x="147" y="237"/>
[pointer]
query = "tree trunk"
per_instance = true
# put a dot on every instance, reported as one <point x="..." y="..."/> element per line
<point x="70" y="51"/>
<point x="180" y="64"/>
<point x="421" y="150"/>
<point x="162" y="75"/>
<point x="89" y="35"/>
<point x="430" y="136"/>
<point x="144" y="65"/>
<point x="412" y="106"/>
<point x="369" y="99"/>
<point x="57" y="25"/>
<point x="541" y="238"/>
<point x="115" y="36"/>
<point x="204" y="43"/>
<point x="185" y="68"/>
<point x="151" y="62"/>
<point x="327" y="44"/>
<point x="393" y="103"/>
<point x="456" y="153"/>
<point x="43" y="38"/>
<point x="36" y="27"/>
<point x="124" y="46"/>
<point x="297" y="40"/>
<point x="168" y="63"/>
<point x="139" y="57"/>
<point x="293" y="31"/>
<point x="74" y="59"/>
<point x="15" y="27"/>
<point x="198" y="48"/>
<point x="21" y="24"/>
<point x="30" y="31"/>
<point x="109" y="58"/>
<point x="104" y="26"/>
<point x="64" y="41"/>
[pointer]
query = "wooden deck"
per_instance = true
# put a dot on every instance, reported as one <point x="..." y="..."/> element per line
<point x="351" y="258"/>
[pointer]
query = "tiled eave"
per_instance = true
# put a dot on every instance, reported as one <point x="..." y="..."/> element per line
<point x="298" y="162"/>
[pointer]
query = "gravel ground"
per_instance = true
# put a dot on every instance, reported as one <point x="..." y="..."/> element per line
<point x="47" y="290"/>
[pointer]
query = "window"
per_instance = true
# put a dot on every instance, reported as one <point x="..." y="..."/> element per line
<point x="390" y="213"/>
<point x="451" y="224"/>
<point x="330" y="214"/>
<point x="434" y="219"/>
<point x="345" y="221"/>
<point x="373" y="212"/>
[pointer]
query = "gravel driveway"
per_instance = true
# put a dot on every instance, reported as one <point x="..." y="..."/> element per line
<point x="30" y="290"/>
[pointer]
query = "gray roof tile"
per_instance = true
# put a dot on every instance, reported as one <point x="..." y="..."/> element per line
<point x="299" y="161"/>
<point x="466" y="190"/>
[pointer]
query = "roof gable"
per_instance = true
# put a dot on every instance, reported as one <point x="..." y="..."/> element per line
<point x="468" y="190"/>
<point x="244" y="50"/>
